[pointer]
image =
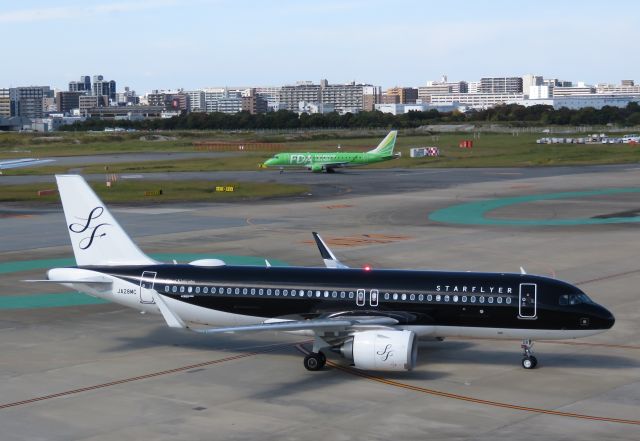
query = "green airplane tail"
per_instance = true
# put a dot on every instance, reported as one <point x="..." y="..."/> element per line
<point x="385" y="148"/>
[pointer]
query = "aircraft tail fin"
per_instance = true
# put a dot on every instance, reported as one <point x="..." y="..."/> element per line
<point x="96" y="236"/>
<point x="387" y="145"/>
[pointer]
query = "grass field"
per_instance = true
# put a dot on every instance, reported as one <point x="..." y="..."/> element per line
<point x="172" y="191"/>
<point x="490" y="150"/>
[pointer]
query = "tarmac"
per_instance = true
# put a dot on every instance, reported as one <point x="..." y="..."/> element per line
<point x="97" y="371"/>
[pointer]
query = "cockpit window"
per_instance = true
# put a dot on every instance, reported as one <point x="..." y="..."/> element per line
<point x="574" y="299"/>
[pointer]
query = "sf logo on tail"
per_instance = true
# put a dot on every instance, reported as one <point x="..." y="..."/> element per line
<point x="88" y="228"/>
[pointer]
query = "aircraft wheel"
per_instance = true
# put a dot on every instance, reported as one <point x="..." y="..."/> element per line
<point x="314" y="361"/>
<point x="330" y="170"/>
<point x="529" y="362"/>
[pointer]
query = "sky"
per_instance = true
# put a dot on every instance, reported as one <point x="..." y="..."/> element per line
<point x="169" y="44"/>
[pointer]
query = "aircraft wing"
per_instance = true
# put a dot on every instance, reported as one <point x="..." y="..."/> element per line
<point x="26" y="162"/>
<point x="326" y="165"/>
<point x="318" y="325"/>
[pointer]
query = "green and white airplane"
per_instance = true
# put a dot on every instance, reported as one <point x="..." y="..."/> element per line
<point x="328" y="162"/>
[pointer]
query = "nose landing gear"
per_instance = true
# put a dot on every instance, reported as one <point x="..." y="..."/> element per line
<point x="528" y="360"/>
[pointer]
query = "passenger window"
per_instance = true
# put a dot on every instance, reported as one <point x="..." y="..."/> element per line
<point x="499" y="299"/>
<point x="438" y="297"/>
<point x="317" y="293"/>
<point x="386" y="296"/>
<point x="189" y="289"/>
<point x="412" y="297"/>
<point x="277" y="292"/>
<point x="446" y="298"/>
<point x="269" y="292"/>
<point x="508" y="301"/>
<point x="473" y="299"/>
<point x="182" y="289"/>
<point x="326" y="294"/>
<point x="253" y="291"/>
<point x="174" y="288"/>
<point x="244" y="291"/>
<point x="429" y="297"/>
<point x="421" y="297"/>
<point x="464" y="299"/>
<point x="261" y="292"/>
<point x="237" y="290"/>
<point x="455" y="298"/>
<point x="342" y="294"/>
<point x="481" y="299"/>
<point x="228" y="290"/>
<point x="205" y="290"/>
<point x="197" y="290"/>
<point x="166" y="288"/>
<point x="334" y="294"/>
<point x="490" y="299"/>
<point x="309" y="293"/>
<point x="395" y="296"/>
<point x="350" y="294"/>
<point x="404" y="297"/>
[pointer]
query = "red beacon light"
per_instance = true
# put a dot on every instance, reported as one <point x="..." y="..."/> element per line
<point x="367" y="267"/>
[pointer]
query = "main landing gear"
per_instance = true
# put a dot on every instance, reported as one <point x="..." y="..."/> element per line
<point x="528" y="360"/>
<point x="315" y="361"/>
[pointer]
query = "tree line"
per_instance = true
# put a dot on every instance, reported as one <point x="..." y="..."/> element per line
<point x="512" y="114"/>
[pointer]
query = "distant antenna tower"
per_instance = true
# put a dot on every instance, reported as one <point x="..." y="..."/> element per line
<point x="444" y="78"/>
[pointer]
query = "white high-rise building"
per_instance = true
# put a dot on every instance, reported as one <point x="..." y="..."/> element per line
<point x="540" y="92"/>
<point x="344" y="97"/>
<point x="530" y="80"/>
<point x="197" y="101"/>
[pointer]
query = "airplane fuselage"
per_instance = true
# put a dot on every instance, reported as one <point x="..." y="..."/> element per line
<point x="430" y="303"/>
<point x="323" y="161"/>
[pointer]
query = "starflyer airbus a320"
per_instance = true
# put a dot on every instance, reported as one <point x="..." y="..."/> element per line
<point x="370" y="317"/>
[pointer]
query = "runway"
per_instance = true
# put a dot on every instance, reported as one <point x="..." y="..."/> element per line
<point x="101" y="372"/>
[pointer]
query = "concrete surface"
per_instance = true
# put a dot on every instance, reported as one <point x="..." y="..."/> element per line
<point x="246" y="388"/>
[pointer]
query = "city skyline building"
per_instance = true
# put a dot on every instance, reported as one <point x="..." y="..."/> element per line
<point x="501" y="85"/>
<point x="5" y="103"/>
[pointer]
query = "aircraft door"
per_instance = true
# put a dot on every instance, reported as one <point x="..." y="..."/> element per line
<point x="360" y="297"/>
<point x="373" y="297"/>
<point x="527" y="300"/>
<point x="147" y="282"/>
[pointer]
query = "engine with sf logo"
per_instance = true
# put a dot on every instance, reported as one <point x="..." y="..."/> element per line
<point x="382" y="350"/>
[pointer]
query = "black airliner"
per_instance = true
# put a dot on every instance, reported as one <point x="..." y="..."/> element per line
<point x="369" y="316"/>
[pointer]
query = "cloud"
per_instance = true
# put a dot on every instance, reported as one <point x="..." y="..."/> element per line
<point x="74" y="12"/>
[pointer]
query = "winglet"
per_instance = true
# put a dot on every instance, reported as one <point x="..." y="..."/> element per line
<point x="172" y="319"/>
<point x="330" y="260"/>
<point x="522" y="271"/>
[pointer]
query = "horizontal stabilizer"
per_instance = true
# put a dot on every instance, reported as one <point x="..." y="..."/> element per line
<point x="104" y="281"/>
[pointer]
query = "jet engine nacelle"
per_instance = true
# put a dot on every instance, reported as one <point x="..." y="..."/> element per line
<point x="382" y="350"/>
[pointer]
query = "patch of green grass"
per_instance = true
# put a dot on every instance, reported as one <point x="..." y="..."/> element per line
<point x="490" y="150"/>
<point x="133" y="191"/>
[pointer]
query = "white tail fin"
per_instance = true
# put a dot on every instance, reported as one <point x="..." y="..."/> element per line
<point x="96" y="237"/>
